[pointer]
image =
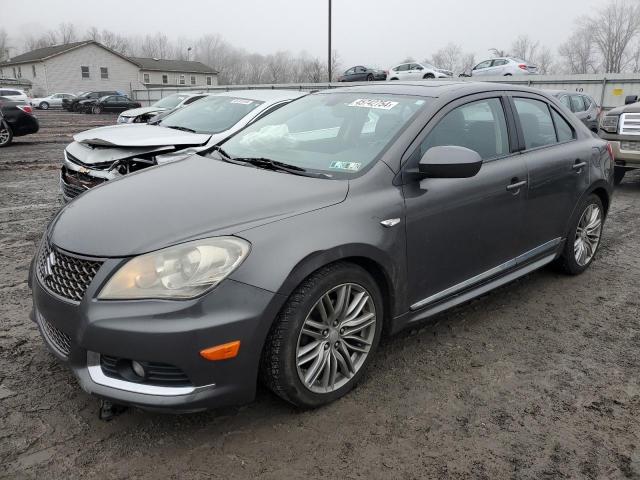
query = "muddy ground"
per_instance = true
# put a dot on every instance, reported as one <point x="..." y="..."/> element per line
<point x="539" y="379"/>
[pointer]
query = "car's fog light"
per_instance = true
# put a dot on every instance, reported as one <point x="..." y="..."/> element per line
<point x="138" y="369"/>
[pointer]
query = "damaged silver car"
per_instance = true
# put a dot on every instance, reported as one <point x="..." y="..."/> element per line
<point x="106" y="153"/>
<point x="166" y="104"/>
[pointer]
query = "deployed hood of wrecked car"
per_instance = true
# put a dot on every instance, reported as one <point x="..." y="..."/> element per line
<point x="139" y="135"/>
<point x="136" y="112"/>
<point x="193" y="198"/>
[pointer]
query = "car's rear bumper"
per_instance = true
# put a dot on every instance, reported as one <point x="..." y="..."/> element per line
<point x="626" y="153"/>
<point x="24" y="124"/>
<point x="166" y="332"/>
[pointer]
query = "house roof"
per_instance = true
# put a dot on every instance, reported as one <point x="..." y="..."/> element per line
<point x="165" y="65"/>
<point x="162" y="64"/>
<point x="45" y="52"/>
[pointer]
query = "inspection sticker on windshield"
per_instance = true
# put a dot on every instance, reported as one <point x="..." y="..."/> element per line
<point x="242" y="101"/>
<point x="349" y="166"/>
<point x="373" y="103"/>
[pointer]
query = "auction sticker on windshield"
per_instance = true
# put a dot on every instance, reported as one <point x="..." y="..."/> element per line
<point x="242" y="101"/>
<point x="373" y="103"/>
<point x="350" y="166"/>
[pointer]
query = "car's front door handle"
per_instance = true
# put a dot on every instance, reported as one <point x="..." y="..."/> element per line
<point x="514" y="187"/>
<point x="578" y="165"/>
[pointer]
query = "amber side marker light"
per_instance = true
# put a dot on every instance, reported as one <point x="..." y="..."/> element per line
<point x="221" y="352"/>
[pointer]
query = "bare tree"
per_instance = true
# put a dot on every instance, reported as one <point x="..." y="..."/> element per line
<point x="496" y="52"/>
<point x="335" y="65"/>
<point x="467" y="62"/>
<point x="614" y="27"/>
<point x="525" y="48"/>
<point x="579" y="53"/>
<point x="4" y="45"/>
<point x="157" y="46"/>
<point x="66" y="33"/>
<point x="448" y="57"/>
<point x="635" y="58"/>
<point x="544" y="61"/>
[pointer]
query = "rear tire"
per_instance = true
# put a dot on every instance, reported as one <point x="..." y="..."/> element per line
<point x="44" y="106"/>
<point x="508" y="75"/>
<point x="369" y="78"/>
<point x="97" y="109"/>
<point x="618" y="175"/>
<point x="585" y="229"/>
<point x="6" y="135"/>
<point x="392" y="79"/>
<point x="283" y="367"/>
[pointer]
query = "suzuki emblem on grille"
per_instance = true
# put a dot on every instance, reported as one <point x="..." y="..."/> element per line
<point x="51" y="261"/>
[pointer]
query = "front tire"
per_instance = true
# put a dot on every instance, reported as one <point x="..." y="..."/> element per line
<point x="44" y="106"/>
<point x="97" y="109"/>
<point x="584" y="236"/>
<point x="6" y="135"/>
<point x="618" y="175"/>
<point x="324" y="337"/>
<point x="429" y="76"/>
<point x="369" y="78"/>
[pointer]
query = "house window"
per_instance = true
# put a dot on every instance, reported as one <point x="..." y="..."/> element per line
<point x="193" y="79"/>
<point x="181" y="81"/>
<point x="33" y="70"/>
<point x="14" y="72"/>
<point x="165" y="78"/>
<point x="84" y="72"/>
<point x="208" y="80"/>
<point x="19" y="72"/>
<point x="104" y="72"/>
<point x="145" y="78"/>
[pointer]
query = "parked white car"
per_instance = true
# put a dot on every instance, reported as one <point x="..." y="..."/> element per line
<point x="14" y="94"/>
<point x="504" y="67"/>
<point x="54" y="100"/>
<point x="416" y="71"/>
<point x="171" y="102"/>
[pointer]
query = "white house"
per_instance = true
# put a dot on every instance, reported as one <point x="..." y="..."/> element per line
<point x="89" y="65"/>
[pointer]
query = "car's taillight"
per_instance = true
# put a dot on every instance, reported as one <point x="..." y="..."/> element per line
<point x="25" y="108"/>
<point x="522" y="66"/>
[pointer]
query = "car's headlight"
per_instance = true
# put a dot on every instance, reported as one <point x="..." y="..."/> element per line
<point x="182" y="271"/>
<point x="610" y="123"/>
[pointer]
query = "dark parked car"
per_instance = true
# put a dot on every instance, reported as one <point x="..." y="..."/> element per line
<point x="362" y="74"/>
<point x="582" y="105"/>
<point x="288" y="249"/>
<point x="109" y="103"/>
<point x="16" y="119"/>
<point x="71" y="104"/>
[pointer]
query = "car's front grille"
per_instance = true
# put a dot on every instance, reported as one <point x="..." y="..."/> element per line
<point x="65" y="275"/>
<point x="71" y="191"/>
<point x="630" y="124"/>
<point x="157" y="374"/>
<point x="57" y="339"/>
<point x="630" y="146"/>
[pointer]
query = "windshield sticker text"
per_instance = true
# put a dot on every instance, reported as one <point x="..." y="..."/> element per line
<point x="242" y="101"/>
<point x="349" y="166"/>
<point x="373" y="103"/>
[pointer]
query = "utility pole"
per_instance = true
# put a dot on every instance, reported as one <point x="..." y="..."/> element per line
<point x="329" y="59"/>
<point x="188" y="53"/>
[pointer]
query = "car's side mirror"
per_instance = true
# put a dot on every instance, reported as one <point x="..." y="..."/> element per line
<point x="629" y="99"/>
<point x="449" y="162"/>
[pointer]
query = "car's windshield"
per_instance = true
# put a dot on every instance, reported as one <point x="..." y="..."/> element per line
<point x="334" y="133"/>
<point x="212" y="114"/>
<point x="171" y="101"/>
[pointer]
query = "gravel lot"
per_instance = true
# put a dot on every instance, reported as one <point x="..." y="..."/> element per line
<point x="538" y="379"/>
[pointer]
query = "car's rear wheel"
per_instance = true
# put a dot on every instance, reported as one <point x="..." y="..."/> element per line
<point x="44" y="105"/>
<point x="6" y="135"/>
<point x="324" y="337"/>
<point x="508" y="75"/>
<point x="618" y="175"/>
<point x="370" y="78"/>
<point x="584" y="236"/>
<point x="97" y="109"/>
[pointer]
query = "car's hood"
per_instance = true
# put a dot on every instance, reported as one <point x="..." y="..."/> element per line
<point x="631" y="108"/>
<point x="194" y="198"/>
<point x="139" y="135"/>
<point x="135" y="112"/>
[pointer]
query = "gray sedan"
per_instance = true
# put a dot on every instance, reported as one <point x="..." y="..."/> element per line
<point x="284" y="252"/>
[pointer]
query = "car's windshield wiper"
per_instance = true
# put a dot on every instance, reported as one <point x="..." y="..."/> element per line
<point x="184" y="129"/>
<point x="268" y="164"/>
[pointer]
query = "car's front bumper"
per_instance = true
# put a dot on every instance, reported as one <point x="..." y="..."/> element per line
<point x="163" y="331"/>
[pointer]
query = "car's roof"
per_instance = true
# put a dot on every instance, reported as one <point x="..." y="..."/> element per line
<point x="427" y="88"/>
<point x="265" y="95"/>
<point x="555" y="93"/>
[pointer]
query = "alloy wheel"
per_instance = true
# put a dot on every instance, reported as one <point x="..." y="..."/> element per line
<point x="336" y="338"/>
<point x="588" y="234"/>
<point x="4" y="134"/>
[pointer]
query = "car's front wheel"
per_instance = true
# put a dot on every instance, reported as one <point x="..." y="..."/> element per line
<point x="97" y="109"/>
<point x="324" y="337"/>
<point x="44" y="105"/>
<point x="584" y="236"/>
<point x="429" y="76"/>
<point x="6" y="135"/>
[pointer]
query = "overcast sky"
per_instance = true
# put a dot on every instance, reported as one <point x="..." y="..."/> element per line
<point x="371" y="32"/>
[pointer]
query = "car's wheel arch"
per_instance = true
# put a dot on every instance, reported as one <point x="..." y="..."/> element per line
<point x="600" y="188"/>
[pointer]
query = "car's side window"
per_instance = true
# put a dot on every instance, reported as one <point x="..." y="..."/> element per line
<point x="566" y="101"/>
<point x="577" y="105"/>
<point x="479" y="126"/>
<point x="564" y="131"/>
<point x="587" y="102"/>
<point x="482" y="65"/>
<point x="535" y="119"/>
<point x="402" y="68"/>
<point x="499" y="63"/>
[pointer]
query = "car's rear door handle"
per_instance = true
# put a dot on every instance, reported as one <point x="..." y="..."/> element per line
<point x="516" y="186"/>
<point x="578" y="165"/>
